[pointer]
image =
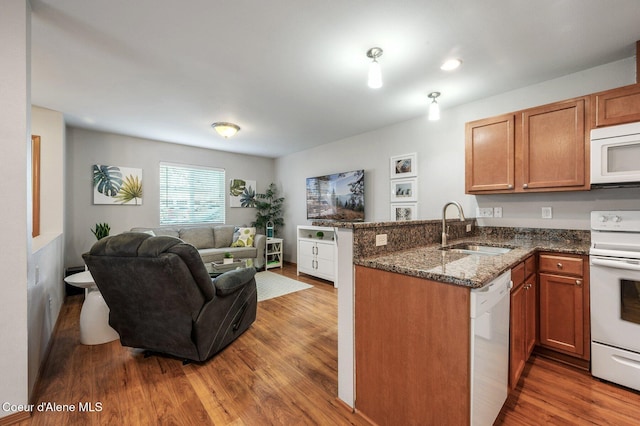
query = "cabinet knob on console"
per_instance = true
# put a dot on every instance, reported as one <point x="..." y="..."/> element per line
<point x="559" y="265"/>
<point x="579" y="283"/>
<point x="525" y="185"/>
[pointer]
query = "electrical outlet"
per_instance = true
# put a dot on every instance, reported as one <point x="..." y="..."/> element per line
<point x="547" y="213"/>
<point x="497" y="212"/>
<point x="468" y="227"/>
<point x="381" y="240"/>
<point x="484" y="212"/>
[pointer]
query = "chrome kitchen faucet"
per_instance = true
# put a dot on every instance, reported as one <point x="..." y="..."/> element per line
<point x="444" y="219"/>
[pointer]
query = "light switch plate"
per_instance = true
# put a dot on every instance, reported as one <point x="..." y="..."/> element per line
<point x="547" y="213"/>
<point x="484" y="212"/>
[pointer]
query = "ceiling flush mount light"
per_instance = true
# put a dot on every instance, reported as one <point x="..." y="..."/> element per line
<point x="375" y="75"/>
<point x="450" y="64"/>
<point x="434" y="108"/>
<point x="226" y="130"/>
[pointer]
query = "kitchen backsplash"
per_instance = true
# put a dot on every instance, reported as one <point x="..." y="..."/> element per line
<point x="410" y="234"/>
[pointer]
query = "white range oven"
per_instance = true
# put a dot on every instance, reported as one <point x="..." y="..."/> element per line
<point x="614" y="260"/>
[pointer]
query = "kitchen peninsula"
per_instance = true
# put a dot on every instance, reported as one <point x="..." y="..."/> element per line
<point x="411" y="311"/>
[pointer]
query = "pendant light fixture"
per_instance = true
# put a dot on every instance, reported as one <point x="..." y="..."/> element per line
<point x="226" y="130"/>
<point x="375" y="75"/>
<point x="434" y="108"/>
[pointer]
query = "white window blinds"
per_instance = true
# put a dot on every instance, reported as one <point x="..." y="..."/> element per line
<point x="191" y="194"/>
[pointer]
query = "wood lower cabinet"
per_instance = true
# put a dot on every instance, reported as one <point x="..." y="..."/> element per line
<point x="412" y="354"/>
<point x="523" y="321"/>
<point x="617" y="106"/>
<point x="490" y="154"/>
<point x="531" y="314"/>
<point x="564" y="304"/>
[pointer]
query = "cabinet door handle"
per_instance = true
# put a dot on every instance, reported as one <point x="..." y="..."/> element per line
<point x="509" y="186"/>
<point x="579" y="283"/>
<point x="559" y="265"/>
<point x="525" y="185"/>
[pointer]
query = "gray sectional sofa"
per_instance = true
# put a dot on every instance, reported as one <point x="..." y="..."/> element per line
<point x="213" y="241"/>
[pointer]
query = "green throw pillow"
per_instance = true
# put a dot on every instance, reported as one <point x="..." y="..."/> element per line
<point x="245" y="238"/>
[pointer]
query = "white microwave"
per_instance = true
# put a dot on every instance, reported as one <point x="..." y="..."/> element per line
<point x="615" y="155"/>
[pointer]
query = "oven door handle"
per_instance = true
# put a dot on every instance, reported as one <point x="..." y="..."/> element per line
<point x="618" y="264"/>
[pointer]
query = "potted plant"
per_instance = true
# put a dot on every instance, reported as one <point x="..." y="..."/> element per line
<point x="101" y="230"/>
<point x="320" y="234"/>
<point x="228" y="258"/>
<point x="269" y="210"/>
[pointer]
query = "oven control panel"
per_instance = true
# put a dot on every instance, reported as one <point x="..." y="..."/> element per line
<point x="616" y="220"/>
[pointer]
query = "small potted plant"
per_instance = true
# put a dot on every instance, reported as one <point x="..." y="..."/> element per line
<point x="101" y="230"/>
<point x="320" y="234"/>
<point x="228" y="258"/>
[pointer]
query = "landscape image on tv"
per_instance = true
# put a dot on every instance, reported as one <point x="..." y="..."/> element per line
<point x="339" y="196"/>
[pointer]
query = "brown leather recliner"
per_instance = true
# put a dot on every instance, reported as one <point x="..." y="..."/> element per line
<point x="162" y="299"/>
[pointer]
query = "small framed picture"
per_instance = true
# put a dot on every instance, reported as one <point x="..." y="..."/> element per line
<point x="404" y="166"/>
<point x="404" y="211"/>
<point x="404" y="190"/>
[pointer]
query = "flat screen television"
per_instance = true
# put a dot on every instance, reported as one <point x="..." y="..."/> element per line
<point x="339" y="197"/>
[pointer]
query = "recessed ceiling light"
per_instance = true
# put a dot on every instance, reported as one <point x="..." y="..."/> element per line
<point x="450" y="64"/>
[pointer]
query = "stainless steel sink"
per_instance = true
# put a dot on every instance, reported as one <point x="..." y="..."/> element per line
<point x="469" y="248"/>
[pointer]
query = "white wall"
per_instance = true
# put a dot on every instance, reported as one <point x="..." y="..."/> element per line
<point x="440" y="149"/>
<point x="45" y="284"/>
<point x="86" y="148"/>
<point x="15" y="147"/>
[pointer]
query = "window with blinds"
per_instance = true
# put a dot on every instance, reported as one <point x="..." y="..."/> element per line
<point x="191" y="194"/>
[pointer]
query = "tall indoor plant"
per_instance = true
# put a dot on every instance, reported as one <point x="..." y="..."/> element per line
<point x="269" y="209"/>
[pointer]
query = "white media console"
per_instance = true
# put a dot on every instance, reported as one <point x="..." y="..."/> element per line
<point x="317" y="255"/>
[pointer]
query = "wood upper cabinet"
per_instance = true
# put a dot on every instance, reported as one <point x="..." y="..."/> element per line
<point x="617" y="106"/>
<point x="564" y="304"/>
<point x="540" y="149"/>
<point x="490" y="154"/>
<point x="554" y="147"/>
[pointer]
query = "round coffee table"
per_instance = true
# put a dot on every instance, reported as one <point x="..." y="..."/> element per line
<point x="94" y="316"/>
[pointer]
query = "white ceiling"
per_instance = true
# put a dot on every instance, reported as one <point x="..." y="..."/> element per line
<point x="292" y="73"/>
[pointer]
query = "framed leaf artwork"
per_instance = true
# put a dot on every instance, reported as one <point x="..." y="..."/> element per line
<point x="117" y="185"/>
<point x="242" y="193"/>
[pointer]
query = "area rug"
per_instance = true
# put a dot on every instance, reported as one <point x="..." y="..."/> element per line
<point x="272" y="285"/>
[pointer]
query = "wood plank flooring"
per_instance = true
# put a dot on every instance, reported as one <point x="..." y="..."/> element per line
<point x="282" y="371"/>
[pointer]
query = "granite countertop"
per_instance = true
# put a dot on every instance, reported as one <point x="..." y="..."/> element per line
<point x="473" y="271"/>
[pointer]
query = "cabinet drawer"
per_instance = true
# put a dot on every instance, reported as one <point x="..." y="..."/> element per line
<point x="565" y="265"/>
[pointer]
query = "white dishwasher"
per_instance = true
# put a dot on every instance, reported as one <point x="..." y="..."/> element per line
<point x="489" y="349"/>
